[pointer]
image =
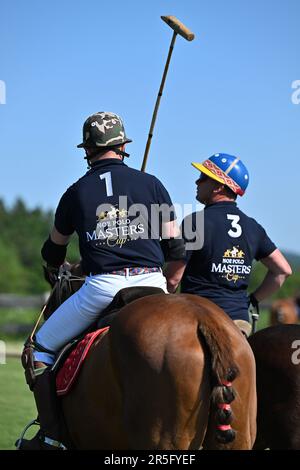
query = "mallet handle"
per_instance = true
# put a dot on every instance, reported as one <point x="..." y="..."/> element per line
<point x="178" y="27"/>
<point x="158" y="102"/>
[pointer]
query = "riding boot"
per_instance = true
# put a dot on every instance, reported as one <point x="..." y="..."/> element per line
<point x="50" y="434"/>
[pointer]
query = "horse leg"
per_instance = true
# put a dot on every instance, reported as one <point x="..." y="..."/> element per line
<point x="245" y="405"/>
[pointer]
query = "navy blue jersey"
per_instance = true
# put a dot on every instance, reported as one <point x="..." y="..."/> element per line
<point x="220" y="270"/>
<point x="115" y="211"/>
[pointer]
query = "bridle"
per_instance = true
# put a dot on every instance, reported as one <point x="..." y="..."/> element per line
<point x="64" y="286"/>
<point x="61" y="290"/>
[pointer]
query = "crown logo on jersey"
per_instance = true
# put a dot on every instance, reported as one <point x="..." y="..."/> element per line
<point x="234" y="253"/>
<point x="123" y="213"/>
<point x="113" y="213"/>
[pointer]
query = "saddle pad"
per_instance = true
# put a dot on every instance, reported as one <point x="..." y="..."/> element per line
<point x="72" y="365"/>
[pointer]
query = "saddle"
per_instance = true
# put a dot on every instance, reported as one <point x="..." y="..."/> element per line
<point x="72" y="356"/>
<point x="122" y="298"/>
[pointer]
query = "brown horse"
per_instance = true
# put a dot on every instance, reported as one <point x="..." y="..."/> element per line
<point x="277" y="354"/>
<point x="172" y="373"/>
<point x="284" y="311"/>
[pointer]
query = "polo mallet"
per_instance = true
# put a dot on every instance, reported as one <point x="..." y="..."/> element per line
<point x="178" y="28"/>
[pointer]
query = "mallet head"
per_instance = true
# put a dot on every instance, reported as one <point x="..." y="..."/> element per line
<point x="178" y="27"/>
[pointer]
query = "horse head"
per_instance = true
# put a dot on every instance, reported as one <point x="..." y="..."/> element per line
<point x="64" y="283"/>
<point x="283" y="311"/>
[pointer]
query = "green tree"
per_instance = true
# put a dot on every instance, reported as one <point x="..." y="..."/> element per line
<point x="290" y="288"/>
<point x="22" y="234"/>
<point x="13" y="276"/>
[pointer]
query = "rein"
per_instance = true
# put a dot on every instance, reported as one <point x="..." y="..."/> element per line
<point x="64" y="281"/>
<point x="63" y="284"/>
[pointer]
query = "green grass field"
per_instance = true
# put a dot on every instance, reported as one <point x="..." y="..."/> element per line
<point x="17" y="406"/>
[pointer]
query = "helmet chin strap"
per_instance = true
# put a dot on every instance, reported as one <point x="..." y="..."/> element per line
<point x="122" y="153"/>
<point x="91" y="155"/>
<point x="96" y="153"/>
<point x="88" y="158"/>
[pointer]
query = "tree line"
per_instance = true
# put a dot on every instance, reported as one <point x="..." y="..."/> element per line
<point x="23" y="232"/>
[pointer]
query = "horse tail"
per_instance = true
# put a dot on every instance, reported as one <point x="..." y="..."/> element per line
<point x="224" y="371"/>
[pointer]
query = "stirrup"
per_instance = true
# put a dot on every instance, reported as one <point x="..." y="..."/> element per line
<point x="57" y="444"/>
<point x="46" y="440"/>
<point x="34" y="422"/>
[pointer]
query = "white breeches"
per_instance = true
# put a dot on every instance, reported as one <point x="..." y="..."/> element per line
<point x="84" y="307"/>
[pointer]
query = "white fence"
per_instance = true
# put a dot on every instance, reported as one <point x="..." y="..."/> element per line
<point x="37" y="301"/>
<point x="23" y="301"/>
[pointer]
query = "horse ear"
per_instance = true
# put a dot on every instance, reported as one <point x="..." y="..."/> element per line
<point x="76" y="270"/>
<point x="46" y="274"/>
<point x="49" y="277"/>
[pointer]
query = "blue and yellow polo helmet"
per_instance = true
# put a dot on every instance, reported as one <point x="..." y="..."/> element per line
<point x="226" y="169"/>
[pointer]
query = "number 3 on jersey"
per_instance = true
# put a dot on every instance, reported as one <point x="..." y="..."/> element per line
<point x="108" y="183"/>
<point x="236" y="229"/>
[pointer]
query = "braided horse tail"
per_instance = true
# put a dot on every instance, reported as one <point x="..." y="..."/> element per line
<point x="223" y="372"/>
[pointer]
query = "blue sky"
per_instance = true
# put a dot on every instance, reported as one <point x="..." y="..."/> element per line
<point x="230" y="90"/>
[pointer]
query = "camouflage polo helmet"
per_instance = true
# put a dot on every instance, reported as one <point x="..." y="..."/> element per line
<point x="103" y="129"/>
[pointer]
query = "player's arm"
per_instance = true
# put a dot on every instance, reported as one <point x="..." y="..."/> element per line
<point x="170" y="229"/>
<point x="173" y="273"/>
<point x="172" y="243"/>
<point x="278" y="270"/>
<point x="173" y="247"/>
<point x="55" y="248"/>
<point x="58" y="237"/>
